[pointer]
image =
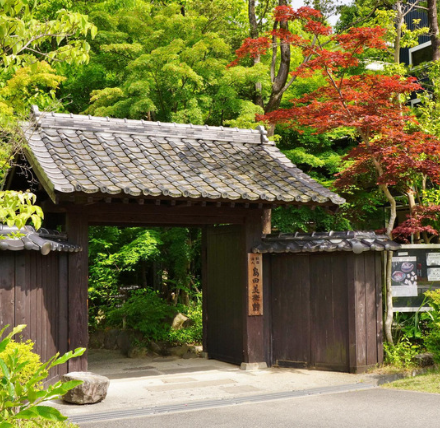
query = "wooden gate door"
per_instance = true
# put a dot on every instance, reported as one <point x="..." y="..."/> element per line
<point x="290" y="301"/>
<point x="329" y="312"/>
<point x="309" y="311"/>
<point x="224" y="292"/>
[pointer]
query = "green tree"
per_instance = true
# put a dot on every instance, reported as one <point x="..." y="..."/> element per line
<point x="31" y="46"/>
<point x="163" y="62"/>
<point x="26" y="41"/>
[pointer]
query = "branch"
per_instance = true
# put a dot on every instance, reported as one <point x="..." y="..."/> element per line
<point x="362" y="19"/>
<point x="260" y="22"/>
<point x="305" y="60"/>
<point x="410" y="7"/>
<point x="274" y="54"/>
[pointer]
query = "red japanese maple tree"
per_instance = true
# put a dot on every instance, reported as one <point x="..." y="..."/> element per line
<point x="391" y="146"/>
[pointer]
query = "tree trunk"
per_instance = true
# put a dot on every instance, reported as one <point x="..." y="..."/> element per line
<point x="433" y="29"/>
<point x="389" y="310"/>
<point x="412" y="206"/>
<point x="258" y="97"/>
<point x="399" y="24"/>
<point x="279" y="82"/>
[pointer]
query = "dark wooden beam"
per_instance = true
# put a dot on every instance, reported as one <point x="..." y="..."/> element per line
<point x="77" y="231"/>
<point x="255" y="341"/>
<point x="148" y="215"/>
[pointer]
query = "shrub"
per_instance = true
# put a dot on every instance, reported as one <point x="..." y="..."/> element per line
<point x="42" y="423"/>
<point x="432" y="338"/>
<point x="146" y="312"/>
<point x="25" y="354"/>
<point x="194" y="333"/>
<point x="401" y="355"/>
<point x="20" y="401"/>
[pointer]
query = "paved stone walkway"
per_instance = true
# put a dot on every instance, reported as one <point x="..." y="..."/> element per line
<point x="140" y="383"/>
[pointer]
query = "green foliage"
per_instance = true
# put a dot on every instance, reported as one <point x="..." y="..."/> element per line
<point x="23" y="38"/>
<point x="305" y="219"/>
<point x="194" y="333"/>
<point x="180" y="256"/>
<point x="432" y="342"/>
<point x="118" y="257"/>
<point x="20" y="401"/>
<point x="43" y="423"/>
<point x="17" y="208"/>
<point x="428" y="112"/>
<point x="33" y="84"/>
<point x="145" y="311"/>
<point x="163" y="259"/>
<point x="165" y="62"/>
<point x="401" y="355"/>
<point x="432" y="338"/>
<point x="371" y="13"/>
<point x="25" y="355"/>
<point x="411" y="325"/>
<point x="28" y="43"/>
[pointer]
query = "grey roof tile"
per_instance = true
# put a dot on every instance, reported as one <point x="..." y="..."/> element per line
<point x="93" y="154"/>
<point x="28" y="238"/>
<point x="355" y="241"/>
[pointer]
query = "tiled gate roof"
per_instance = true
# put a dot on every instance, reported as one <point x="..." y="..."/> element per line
<point x="76" y="153"/>
<point x="27" y="238"/>
<point x="355" y="241"/>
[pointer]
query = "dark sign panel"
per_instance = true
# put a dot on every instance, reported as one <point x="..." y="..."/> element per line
<point x="404" y="276"/>
<point x="415" y="269"/>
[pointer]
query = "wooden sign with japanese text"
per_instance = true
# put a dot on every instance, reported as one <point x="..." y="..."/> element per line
<point x="255" y="286"/>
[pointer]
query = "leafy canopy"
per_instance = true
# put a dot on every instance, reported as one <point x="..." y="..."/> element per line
<point x="392" y="148"/>
<point x="26" y="41"/>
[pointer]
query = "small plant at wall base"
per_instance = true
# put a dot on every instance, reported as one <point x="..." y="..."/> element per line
<point x="20" y="400"/>
<point x="401" y="355"/>
<point x="432" y="338"/>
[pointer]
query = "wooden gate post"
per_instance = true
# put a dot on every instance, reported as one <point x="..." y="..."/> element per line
<point x="77" y="232"/>
<point x="255" y="342"/>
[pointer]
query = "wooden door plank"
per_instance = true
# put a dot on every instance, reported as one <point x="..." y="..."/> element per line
<point x="7" y="289"/>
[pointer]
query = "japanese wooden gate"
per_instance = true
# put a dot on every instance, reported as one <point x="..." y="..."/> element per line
<point x="101" y="171"/>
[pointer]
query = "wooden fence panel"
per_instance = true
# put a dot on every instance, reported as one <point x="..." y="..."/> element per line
<point x="7" y="289"/>
<point x="34" y="291"/>
<point x="326" y="310"/>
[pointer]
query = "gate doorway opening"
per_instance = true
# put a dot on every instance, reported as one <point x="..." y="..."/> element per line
<point x="141" y="278"/>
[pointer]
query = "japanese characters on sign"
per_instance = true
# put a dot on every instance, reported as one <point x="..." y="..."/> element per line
<point x="255" y="286"/>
